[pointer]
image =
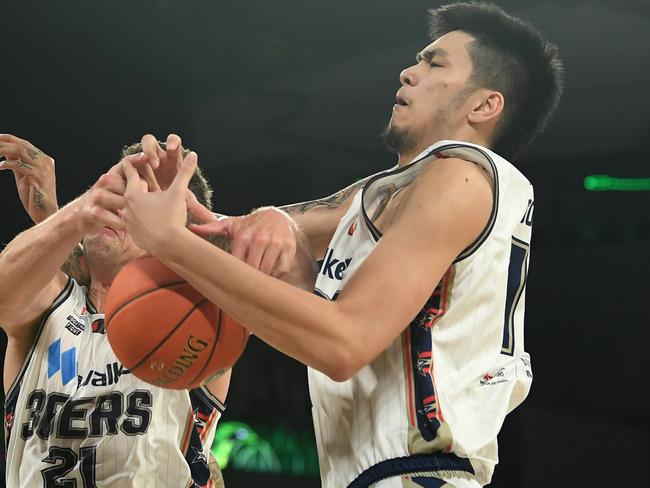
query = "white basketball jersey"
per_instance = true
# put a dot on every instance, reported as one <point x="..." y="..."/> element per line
<point x="75" y="417"/>
<point x="433" y="402"/>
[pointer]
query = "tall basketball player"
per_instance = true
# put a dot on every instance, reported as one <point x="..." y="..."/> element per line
<point x="414" y="335"/>
<point x="74" y="416"/>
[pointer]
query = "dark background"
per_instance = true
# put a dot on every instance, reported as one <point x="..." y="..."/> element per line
<point x="284" y="102"/>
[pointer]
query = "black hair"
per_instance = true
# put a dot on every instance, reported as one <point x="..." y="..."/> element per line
<point x="508" y="55"/>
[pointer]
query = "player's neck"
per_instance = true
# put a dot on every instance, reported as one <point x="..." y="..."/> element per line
<point x="97" y="294"/>
<point x="100" y="283"/>
<point x="464" y="135"/>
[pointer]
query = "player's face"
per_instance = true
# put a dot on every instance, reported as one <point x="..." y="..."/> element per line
<point x="430" y="105"/>
<point x="111" y="247"/>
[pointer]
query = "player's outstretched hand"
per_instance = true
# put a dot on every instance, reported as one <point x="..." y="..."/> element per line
<point x="165" y="162"/>
<point x="102" y="205"/>
<point x="265" y="239"/>
<point x="152" y="217"/>
<point x="34" y="173"/>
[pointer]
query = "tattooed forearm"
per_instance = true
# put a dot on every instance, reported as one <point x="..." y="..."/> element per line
<point x="38" y="199"/>
<point x="75" y="267"/>
<point x="333" y="201"/>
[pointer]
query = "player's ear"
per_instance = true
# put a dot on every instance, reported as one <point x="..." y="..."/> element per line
<point x="486" y="106"/>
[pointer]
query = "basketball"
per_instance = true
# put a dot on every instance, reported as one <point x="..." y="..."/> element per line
<point x="164" y="331"/>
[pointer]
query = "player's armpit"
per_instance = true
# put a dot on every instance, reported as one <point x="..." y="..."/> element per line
<point x="318" y="219"/>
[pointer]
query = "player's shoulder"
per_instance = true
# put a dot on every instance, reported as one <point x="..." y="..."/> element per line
<point x="454" y="174"/>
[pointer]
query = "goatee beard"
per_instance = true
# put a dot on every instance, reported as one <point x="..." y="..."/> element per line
<point x="396" y="140"/>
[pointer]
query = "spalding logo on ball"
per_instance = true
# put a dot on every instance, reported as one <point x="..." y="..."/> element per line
<point x="164" y="331"/>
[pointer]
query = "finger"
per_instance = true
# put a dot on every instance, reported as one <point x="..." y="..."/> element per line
<point x="108" y="218"/>
<point x="15" y="140"/>
<point x="16" y="165"/>
<point x="203" y="230"/>
<point x="185" y="172"/>
<point x="174" y="148"/>
<point x="108" y="200"/>
<point x="20" y="153"/>
<point x="268" y="263"/>
<point x="152" y="149"/>
<point x="239" y="247"/>
<point x="132" y="177"/>
<point x="283" y="265"/>
<point x="112" y="183"/>
<point x="255" y="254"/>
<point x="211" y="228"/>
<point x="147" y="174"/>
<point x="198" y="211"/>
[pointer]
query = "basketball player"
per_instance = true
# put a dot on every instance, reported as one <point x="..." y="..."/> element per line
<point x="74" y="416"/>
<point x="414" y="336"/>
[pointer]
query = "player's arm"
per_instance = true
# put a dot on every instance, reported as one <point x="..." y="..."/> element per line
<point x="443" y="213"/>
<point x="35" y="176"/>
<point x="30" y="276"/>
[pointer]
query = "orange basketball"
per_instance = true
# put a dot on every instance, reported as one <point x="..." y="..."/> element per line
<point x="164" y="331"/>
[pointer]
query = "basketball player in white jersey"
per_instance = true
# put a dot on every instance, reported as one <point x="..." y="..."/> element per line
<point x="73" y="414"/>
<point x="414" y="336"/>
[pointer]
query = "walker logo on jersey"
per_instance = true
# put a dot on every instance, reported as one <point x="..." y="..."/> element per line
<point x="109" y="376"/>
<point x="65" y="361"/>
<point x="334" y="268"/>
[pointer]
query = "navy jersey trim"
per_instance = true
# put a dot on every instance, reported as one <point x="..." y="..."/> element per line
<point x="376" y="234"/>
<point x="204" y="394"/>
<point x="418" y="463"/>
<point x="60" y="299"/>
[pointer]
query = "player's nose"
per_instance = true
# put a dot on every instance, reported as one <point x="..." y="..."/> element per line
<point x="408" y="76"/>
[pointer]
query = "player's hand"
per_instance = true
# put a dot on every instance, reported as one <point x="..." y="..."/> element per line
<point x="151" y="217"/>
<point x="102" y="205"/>
<point x="265" y="239"/>
<point x="34" y="173"/>
<point x="165" y="163"/>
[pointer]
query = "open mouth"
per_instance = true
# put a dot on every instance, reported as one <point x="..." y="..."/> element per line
<point x="400" y="101"/>
<point x="112" y="230"/>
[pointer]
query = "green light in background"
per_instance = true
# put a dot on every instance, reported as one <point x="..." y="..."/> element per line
<point x="268" y="450"/>
<point x="605" y="182"/>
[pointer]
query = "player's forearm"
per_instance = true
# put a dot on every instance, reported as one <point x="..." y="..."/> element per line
<point x="306" y="327"/>
<point x="32" y="259"/>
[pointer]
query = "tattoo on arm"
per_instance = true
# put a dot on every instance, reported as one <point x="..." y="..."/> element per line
<point x="75" y="267"/>
<point x="38" y="199"/>
<point x="333" y="201"/>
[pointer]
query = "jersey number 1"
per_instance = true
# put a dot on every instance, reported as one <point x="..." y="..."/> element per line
<point x="517" y="274"/>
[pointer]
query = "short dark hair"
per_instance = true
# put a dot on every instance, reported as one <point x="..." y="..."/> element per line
<point x="198" y="184"/>
<point x="508" y="55"/>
